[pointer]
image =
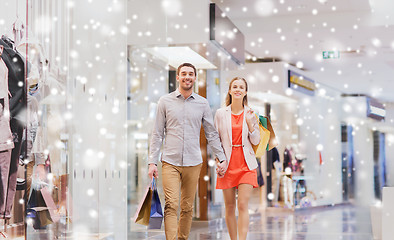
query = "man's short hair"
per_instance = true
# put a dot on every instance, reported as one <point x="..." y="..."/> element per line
<point x="186" y="65"/>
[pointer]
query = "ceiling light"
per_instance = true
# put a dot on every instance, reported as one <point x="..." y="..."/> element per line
<point x="175" y="56"/>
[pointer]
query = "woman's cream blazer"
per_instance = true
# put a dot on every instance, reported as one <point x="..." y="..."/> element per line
<point x="223" y="126"/>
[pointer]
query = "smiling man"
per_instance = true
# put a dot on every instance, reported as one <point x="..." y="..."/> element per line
<point x="178" y="120"/>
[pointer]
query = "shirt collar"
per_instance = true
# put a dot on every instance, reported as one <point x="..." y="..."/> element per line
<point x="178" y="94"/>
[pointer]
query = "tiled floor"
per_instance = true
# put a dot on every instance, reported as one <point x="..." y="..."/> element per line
<point x="341" y="222"/>
<point x="344" y="222"/>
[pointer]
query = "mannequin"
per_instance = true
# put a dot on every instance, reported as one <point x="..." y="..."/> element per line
<point x="288" y="192"/>
<point x="6" y="143"/>
<point x="288" y="158"/>
<point x="3" y="234"/>
<point x="276" y="180"/>
<point x="13" y="103"/>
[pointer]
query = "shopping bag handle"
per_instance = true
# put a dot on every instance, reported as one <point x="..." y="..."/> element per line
<point x="154" y="183"/>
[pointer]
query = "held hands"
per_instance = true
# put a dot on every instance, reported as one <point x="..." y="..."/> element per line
<point x="221" y="168"/>
<point x="152" y="172"/>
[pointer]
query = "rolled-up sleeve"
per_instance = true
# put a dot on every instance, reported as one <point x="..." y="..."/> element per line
<point x="157" y="133"/>
<point x="211" y="134"/>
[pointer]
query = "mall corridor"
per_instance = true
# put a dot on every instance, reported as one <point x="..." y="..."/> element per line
<point x="345" y="222"/>
<point x="292" y="98"/>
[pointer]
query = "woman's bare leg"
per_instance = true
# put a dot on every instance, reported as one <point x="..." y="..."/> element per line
<point x="231" y="220"/>
<point x="244" y="193"/>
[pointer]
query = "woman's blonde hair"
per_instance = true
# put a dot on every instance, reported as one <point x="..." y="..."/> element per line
<point x="228" y="97"/>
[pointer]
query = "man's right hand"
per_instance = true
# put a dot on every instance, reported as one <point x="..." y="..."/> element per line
<point x="152" y="172"/>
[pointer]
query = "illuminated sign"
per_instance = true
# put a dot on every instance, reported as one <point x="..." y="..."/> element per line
<point x="301" y="83"/>
<point x="375" y="109"/>
<point x="330" y="54"/>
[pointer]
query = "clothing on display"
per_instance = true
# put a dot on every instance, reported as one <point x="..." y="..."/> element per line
<point x="275" y="156"/>
<point x="298" y="167"/>
<point x="15" y="65"/>
<point x="276" y="180"/>
<point x="18" y="117"/>
<point x="6" y="142"/>
<point x="275" y="173"/>
<point x="6" y="196"/>
<point x="288" y="158"/>
<point x="287" y="190"/>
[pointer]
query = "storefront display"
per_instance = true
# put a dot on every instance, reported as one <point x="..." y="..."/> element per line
<point x="41" y="57"/>
<point x="13" y="103"/>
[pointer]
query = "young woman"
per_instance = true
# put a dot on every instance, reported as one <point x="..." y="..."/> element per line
<point x="238" y="130"/>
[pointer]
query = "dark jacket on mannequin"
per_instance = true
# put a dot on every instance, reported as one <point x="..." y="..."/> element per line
<point x="16" y="76"/>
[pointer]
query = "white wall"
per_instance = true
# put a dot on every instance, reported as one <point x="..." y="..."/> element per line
<point x="98" y="90"/>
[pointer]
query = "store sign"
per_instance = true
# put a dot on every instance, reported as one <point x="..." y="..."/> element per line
<point x="375" y="109"/>
<point x="301" y="83"/>
<point x="330" y="54"/>
<point x="225" y="35"/>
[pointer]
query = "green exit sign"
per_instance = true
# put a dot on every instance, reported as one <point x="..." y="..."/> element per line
<point x="330" y="54"/>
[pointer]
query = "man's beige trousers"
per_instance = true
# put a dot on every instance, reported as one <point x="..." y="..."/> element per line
<point x="175" y="179"/>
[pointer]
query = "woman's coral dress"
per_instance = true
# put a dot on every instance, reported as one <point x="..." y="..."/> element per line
<point x="237" y="171"/>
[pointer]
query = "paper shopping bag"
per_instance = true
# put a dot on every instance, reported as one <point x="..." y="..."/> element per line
<point x="40" y="208"/>
<point x="47" y="196"/>
<point x="142" y="214"/>
<point x="273" y="142"/>
<point x="156" y="212"/>
<point x="39" y="217"/>
<point x="260" y="148"/>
